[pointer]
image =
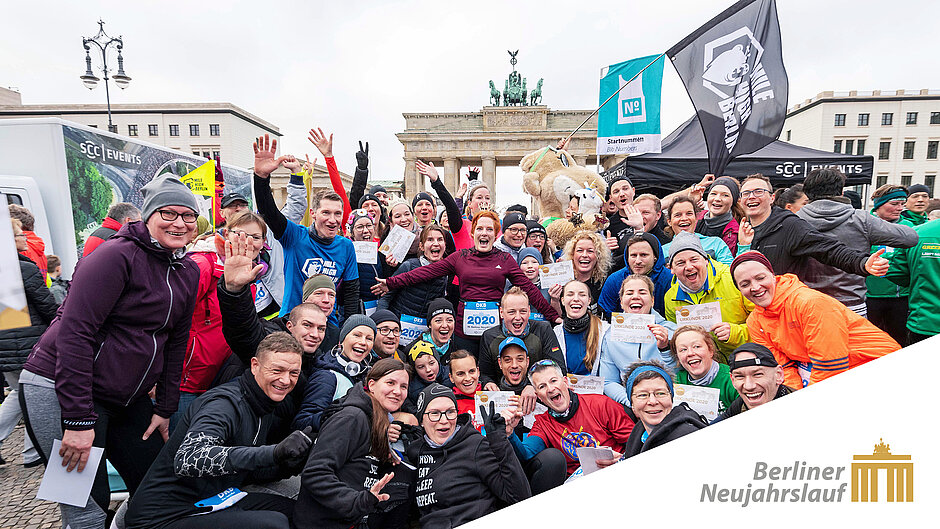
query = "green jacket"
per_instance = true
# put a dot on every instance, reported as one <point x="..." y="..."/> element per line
<point x="880" y="287"/>
<point x="722" y="382"/>
<point x="919" y="269"/>
<point x="914" y="218"/>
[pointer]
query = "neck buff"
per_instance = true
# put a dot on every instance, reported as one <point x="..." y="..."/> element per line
<point x="569" y="413"/>
<point x="707" y="378"/>
<point x="715" y="225"/>
<point x="259" y="403"/>
<point x="577" y="325"/>
<point x="432" y="444"/>
<point x="316" y="236"/>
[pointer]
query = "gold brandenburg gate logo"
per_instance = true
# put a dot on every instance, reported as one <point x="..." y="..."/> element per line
<point x="899" y="470"/>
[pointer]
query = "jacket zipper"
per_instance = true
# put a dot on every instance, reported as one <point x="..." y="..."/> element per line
<point x="153" y="335"/>
<point x="192" y="351"/>
<point x="255" y="442"/>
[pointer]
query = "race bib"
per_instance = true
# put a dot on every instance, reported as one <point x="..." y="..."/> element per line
<point x="263" y="298"/>
<point x="412" y="328"/>
<point x="370" y="306"/>
<point x="222" y="500"/>
<point x="479" y="316"/>
<point x="536" y="316"/>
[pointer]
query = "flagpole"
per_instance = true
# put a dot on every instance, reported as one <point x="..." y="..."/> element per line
<point x="663" y="54"/>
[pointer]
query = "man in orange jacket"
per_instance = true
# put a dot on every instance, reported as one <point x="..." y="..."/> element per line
<point x="812" y="335"/>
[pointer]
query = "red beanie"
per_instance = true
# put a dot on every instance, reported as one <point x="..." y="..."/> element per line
<point x="750" y="255"/>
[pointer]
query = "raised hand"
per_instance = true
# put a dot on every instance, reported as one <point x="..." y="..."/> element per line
<point x="427" y="170"/>
<point x="634" y="217"/>
<point x="493" y="423"/>
<point x="376" y="489"/>
<point x="611" y="241"/>
<point x="362" y="157"/>
<point x="323" y="144"/>
<point x="707" y="180"/>
<point x="293" y="164"/>
<point x="877" y="265"/>
<point x="265" y="160"/>
<point x="473" y="173"/>
<point x="722" y="331"/>
<point x="661" y="335"/>
<point x="239" y="270"/>
<point x="745" y="234"/>
<point x="308" y="165"/>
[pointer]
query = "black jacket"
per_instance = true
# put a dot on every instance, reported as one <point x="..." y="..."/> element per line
<point x="682" y="420"/>
<point x="334" y="486"/>
<point x="540" y="341"/>
<point x="414" y="299"/>
<point x="15" y="344"/>
<point x="218" y="443"/>
<point x="328" y="383"/>
<point x="737" y="406"/>
<point x="469" y="477"/>
<point x="618" y="229"/>
<point x="789" y="242"/>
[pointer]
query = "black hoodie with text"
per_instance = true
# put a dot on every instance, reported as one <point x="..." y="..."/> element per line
<point x="681" y="420"/>
<point x="468" y="477"/>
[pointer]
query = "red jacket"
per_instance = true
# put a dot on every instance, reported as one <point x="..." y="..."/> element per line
<point x="207" y="349"/>
<point x="36" y="251"/>
<point x="482" y="278"/>
<point x="109" y="228"/>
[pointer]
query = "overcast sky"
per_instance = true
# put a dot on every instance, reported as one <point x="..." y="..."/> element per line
<point x="354" y="67"/>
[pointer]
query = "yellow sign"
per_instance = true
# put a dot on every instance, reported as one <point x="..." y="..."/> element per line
<point x="201" y="181"/>
<point x="899" y="472"/>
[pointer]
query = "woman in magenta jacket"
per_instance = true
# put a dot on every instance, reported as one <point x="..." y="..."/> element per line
<point x="482" y="272"/>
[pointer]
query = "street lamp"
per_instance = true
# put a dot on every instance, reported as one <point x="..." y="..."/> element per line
<point x="102" y="41"/>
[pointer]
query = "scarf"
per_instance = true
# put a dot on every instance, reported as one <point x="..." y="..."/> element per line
<point x="259" y="403"/>
<point x="715" y="225"/>
<point x="569" y="413"/>
<point x="708" y="378"/>
<point x="687" y="291"/>
<point x="432" y="444"/>
<point x="577" y="325"/>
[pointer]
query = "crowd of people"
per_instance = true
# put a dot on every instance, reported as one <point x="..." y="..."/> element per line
<point x="258" y="374"/>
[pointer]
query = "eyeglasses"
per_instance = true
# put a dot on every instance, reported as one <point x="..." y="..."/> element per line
<point x="435" y="415"/>
<point x="170" y="215"/>
<point x="537" y="235"/>
<point x="542" y="363"/>
<point x="251" y="236"/>
<point x="660" y="395"/>
<point x="385" y="331"/>
<point x="754" y="192"/>
<point x="516" y="231"/>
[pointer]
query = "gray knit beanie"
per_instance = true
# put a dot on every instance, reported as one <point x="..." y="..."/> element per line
<point x="685" y="241"/>
<point x="356" y="320"/>
<point x="166" y="191"/>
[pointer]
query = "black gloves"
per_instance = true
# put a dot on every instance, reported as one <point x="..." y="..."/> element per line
<point x="362" y="157"/>
<point x="473" y="174"/>
<point x="294" y="447"/>
<point x="493" y="423"/>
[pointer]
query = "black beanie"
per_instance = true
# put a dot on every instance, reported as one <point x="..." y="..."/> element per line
<point x="430" y="393"/>
<point x="422" y="196"/>
<point x="383" y="315"/>
<point x="439" y="306"/>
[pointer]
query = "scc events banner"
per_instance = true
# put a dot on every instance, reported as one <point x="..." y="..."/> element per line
<point x="629" y="123"/>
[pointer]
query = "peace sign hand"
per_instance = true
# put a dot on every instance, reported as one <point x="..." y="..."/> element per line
<point x="362" y="157"/>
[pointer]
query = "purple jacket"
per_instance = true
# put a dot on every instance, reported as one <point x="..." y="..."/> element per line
<point x="122" y="329"/>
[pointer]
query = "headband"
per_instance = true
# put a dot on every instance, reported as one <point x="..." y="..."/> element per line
<point x="631" y="380"/>
<point x="888" y="197"/>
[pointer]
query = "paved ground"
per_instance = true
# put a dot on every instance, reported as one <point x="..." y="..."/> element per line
<point x="19" y="507"/>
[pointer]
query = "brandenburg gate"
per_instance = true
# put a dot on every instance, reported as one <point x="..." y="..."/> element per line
<point x="496" y="135"/>
<point x="899" y="472"/>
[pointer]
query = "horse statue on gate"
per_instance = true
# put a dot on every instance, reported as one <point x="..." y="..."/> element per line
<point x="536" y="95"/>
<point x="494" y="94"/>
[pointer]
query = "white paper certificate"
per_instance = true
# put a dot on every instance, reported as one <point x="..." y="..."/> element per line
<point x="397" y="243"/>
<point x="631" y="328"/>
<point x="707" y="315"/>
<point x="703" y="400"/>
<point x="366" y="252"/>
<point x="556" y="274"/>
<point x="484" y="398"/>
<point x="586" y="384"/>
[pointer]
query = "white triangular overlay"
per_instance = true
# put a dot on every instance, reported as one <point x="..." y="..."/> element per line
<point x="825" y="425"/>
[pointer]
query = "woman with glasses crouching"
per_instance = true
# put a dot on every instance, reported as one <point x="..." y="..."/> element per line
<point x="650" y="393"/>
<point x="463" y="475"/>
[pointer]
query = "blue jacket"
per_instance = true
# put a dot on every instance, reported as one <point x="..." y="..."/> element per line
<point x="661" y="276"/>
<point x="328" y="382"/>
<point x="616" y="357"/>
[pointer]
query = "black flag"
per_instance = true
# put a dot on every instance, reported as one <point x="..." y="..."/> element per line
<point x="732" y="68"/>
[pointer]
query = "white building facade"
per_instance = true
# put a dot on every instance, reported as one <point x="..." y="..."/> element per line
<point x="899" y="128"/>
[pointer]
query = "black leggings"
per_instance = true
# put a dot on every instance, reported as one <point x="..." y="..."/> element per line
<point x="255" y="511"/>
<point x="547" y="470"/>
<point x="890" y="315"/>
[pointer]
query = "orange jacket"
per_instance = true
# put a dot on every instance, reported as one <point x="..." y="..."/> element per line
<point x="36" y="251"/>
<point x="805" y="325"/>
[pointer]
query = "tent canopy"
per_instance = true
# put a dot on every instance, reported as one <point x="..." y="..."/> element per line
<point x="683" y="162"/>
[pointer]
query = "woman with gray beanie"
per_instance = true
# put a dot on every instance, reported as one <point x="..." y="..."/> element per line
<point x="122" y="330"/>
